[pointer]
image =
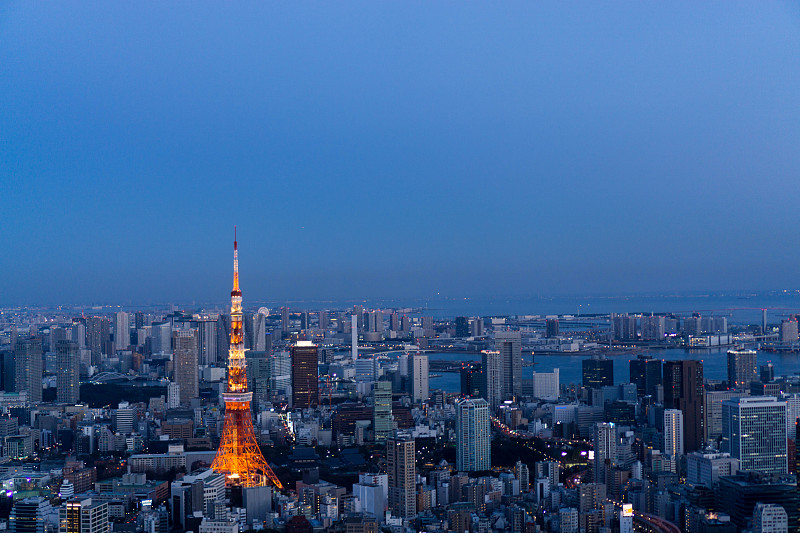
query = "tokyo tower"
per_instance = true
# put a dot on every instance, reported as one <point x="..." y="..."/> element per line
<point x="239" y="456"/>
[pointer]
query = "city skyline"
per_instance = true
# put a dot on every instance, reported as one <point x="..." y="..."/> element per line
<point x="595" y="149"/>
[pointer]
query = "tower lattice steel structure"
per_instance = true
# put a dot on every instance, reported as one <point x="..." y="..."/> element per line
<point x="239" y="456"/>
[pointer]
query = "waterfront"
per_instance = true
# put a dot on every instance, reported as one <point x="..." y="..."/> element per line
<point x="715" y="365"/>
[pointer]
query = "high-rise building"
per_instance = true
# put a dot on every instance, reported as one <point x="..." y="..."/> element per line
<point x="68" y="372"/>
<point x="122" y="331"/>
<point x="789" y="331"/>
<point x="523" y="474"/>
<point x="305" y="375"/>
<point x="492" y="365"/>
<point x="280" y="371"/>
<point x="741" y="368"/>
<point x="82" y="515"/>
<point x="605" y="449"/>
<point x="754" y="432"/>
<point x="207" y="342"/>
<point x="767" y="373"/>
<point x="97" y="337"/>
<point x="739" y="494"/>
<point x="551" y="327"/>
<point x="476" y="327"/>
<point x="713" y="411"/>
<point x="683" y="389"/>
<point x="770" y="518"/>
<point x="28" y="367"/>
<point x="462" y="327"/>
<point x="509" y="344"/>
<point x="382" y="410"/>
<point x="654" y="328"/>
<point x="598" y="372"/>
<point x="473" y="439"/>
<point x="284" y="320"/>
<point x="645" y="373"/>
<point x="471" y="377"/>
<point x="625" y="328"/>
<point x="418" y="377"/>
<point x="29" y="515"/>
<point x="400" y="466"/>
<point x="185" y="358"/>
<point x="706" y="468"/>
<point x="354" y="338"/>
<point x="673" y="437"/>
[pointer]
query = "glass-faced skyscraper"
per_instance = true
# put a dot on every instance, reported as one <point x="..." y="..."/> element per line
<point x="645" y="373"/>
<point x="305" y="375"/>
<point x="683" y="389"/>
<point x="598" y="372"/>
<point x="754" y="431"/>
<point x="473" y="442"/>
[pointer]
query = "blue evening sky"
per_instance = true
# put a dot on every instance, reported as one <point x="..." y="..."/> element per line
<point x="396" y="148"/>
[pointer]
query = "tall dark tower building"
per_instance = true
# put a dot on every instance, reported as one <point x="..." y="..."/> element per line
<point x="551" y="327"/>
<point x="598" y="372"/>
<point x="683" y="389"/>
<point x="471" y="379"/>
<point x="28" y="367"/>
<point x="305" y="387"/>
<point x="68" y="363"/>
<point x="462" y="326"/>
<point x="646" y="375"/>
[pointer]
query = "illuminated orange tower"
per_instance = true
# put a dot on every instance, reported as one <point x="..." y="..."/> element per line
<point x="239" y="456"/>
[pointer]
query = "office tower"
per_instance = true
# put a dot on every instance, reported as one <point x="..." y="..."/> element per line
<point x="789" y="331"/>
<point x="551" y="329"/>
<point x="354" y="337"/>
<point x="509" y="344"/>
<point x="683" y="389"/>
<point x="324" y="320"/>
<point x="550" y="470"/>
<point x="284" y="320"/>
<point x="476" y="327"/>
<point x="462" y="326"/>
<point x="492" y="365"/>
<point x="645" y="373"/>
<point x="28" y="367"/>
<point x="754" y="432"/>
<point x="418" y="377"/>
<point x="546" y="385"/>
<point x="654" y="328"/>
<point x="523" y="474"/>
<point x="763" y="321"/>
<point x="598" y="372"/>
<point x="382" y="410"/>
<point x="713" y="411"/>
<point x="305" y="375"/>
<point x="82" y="515"/>
<point x="223" y="336"/>
<point x="706" y="468"/>
<point x="97" y="336"/>
<point x="259" y="332"/>
<point x="740" y="493"/>
<point x="473" y="439"/>
<point x="741" y="368"/>
<point x="280" y="373"/>
<point x="605" y="449"/>
<point x="394" y="321"/>
<point x="138" y="320"/>
<point x="57" y="334"/>
<point x="625" y="328"/>
<point x="770" y="518"/>
<point x="258" y="376"/>
<point x="767" y="373"/>
<point x="29" y="515"/>
<point x="79" y="334"/>
<point x="375" y="321"/>
<point x="207" y="342"/>
<point x="122" y="331"/>
<point x="471" y="377"/>
<point x="68" y="363"/>
<point x="673" y="437"/>
<point x="400" y="467"/>
<point x="185" y="358"/>
<point x="161" y="338"/>
<point x="238" y="457"/>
